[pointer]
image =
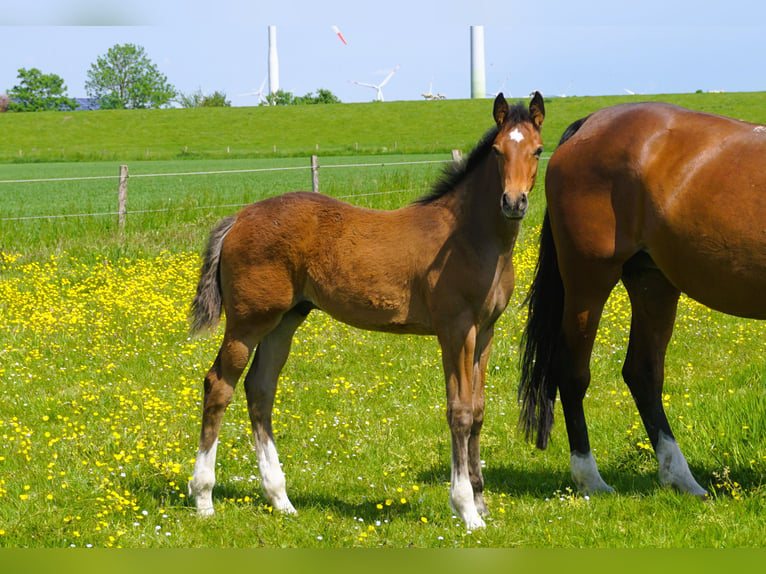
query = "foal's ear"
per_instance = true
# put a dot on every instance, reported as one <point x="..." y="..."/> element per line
<point x="501" y="110"/>
<point x="537" y="109"/>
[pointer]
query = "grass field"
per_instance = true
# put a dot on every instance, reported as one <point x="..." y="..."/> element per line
<point x="100" y="406"/>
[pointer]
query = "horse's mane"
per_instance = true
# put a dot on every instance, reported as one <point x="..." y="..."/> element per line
<point x="455" y="172"/>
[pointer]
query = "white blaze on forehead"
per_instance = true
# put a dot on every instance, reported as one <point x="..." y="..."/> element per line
<point x="516" y="135"/>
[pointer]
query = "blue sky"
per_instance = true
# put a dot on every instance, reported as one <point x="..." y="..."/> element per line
<point x="560" y="47"/>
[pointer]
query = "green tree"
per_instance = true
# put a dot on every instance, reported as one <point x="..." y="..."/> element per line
<point x="323" y="97"/>
<point x="39" y="92"/>
<point x="200" y="100"/>
<point x="281" y="98"/>
<point x="126" y="78"/>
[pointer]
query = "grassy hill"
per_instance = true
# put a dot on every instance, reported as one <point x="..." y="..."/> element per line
<point x="215" y="133"/>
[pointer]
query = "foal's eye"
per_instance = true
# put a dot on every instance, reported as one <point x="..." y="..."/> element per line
<point x="538" y="152"/>
<point x="496" y="149"/>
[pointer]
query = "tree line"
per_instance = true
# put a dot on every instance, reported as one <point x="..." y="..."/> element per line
<point x="125" y="78"/>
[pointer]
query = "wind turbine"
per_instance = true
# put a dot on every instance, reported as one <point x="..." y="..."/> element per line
<point x="379" y="86"/>
<point x="261" y="97"/>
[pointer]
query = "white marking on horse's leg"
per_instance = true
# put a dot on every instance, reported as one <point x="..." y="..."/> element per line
<point x="585" y="474"/>
<point x="674" y="471"/>
<point x="461" y="497"/>
<point x="272" y="477"/>
<point x="203" y="480"/>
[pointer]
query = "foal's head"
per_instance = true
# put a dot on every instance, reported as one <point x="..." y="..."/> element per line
<point x="518" y="146"/>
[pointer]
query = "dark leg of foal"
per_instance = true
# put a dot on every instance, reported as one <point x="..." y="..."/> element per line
<point x="261" y="387"/>
<point x="474" y="455"/>
<point x="653" y="301"/>
<point x="220" y="382"/>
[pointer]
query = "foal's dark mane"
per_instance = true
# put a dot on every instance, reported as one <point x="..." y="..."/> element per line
<point x="455" y="172"/>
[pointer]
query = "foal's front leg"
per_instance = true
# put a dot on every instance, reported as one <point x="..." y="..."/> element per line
<point x="474" y="457"/>
<point x="458" y="359"/>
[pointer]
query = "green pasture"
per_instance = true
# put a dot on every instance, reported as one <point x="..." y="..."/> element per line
<point x="102" y="383"/>
<point x="257" y="132"/>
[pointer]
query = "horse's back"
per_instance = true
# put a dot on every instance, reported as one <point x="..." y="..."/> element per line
<point x="687" y="187"/>
<point x="357" y="264"/>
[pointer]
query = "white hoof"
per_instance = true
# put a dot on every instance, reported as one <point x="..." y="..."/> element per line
<point x="673" y="469"/>
<point x="585" y="474"/>
<point x="205" y="511"/>
<point x="285" y="507"/>
<point x="474" y="522"/>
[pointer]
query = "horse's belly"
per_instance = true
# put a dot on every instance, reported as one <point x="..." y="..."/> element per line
<point x="389" y="310"/>
<point x="730" y="281"/>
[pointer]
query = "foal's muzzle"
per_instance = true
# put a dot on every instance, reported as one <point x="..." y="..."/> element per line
<point x="514" y="207"/>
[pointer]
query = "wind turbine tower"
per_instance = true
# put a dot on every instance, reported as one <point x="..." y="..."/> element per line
<point x="478" y="76"/>
<point x="273" y="61"/>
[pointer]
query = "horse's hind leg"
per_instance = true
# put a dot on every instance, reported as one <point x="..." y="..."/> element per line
<point x="261" y="387"/>
<point x="586" y="292"/>
<point x="220" y="382"/>
<point x="653" y="301"/>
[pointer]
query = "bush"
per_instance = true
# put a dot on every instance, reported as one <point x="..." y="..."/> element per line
<point x="200" y="100"/>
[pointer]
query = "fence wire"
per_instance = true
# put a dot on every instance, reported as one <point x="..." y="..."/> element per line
<point x="198" y="173"/>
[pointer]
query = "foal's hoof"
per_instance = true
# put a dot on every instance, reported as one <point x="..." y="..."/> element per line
<point x="205" y="512"/>
<point x="286" y="509"/>
<point x="475" y="523"/>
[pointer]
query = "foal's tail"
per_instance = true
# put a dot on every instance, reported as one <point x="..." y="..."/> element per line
<point x="545" y="301"/>
<point x="207" y="304"/>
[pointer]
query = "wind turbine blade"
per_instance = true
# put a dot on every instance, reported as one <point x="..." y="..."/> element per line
<point x="339" y="35"/>
<point x="390" y="75"/>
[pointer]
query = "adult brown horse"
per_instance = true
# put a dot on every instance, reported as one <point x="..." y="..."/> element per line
<point x="668" y="200"/>
<point x="439" y="266"/>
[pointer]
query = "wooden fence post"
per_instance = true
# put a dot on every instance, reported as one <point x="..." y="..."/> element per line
<point x="122" y="196"/>
<point x="457" y="155"/>
<point x="314" y="173"/>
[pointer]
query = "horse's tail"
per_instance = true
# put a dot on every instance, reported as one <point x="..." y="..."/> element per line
<point x="545" y="301"/>
<point x="540" y="341"/>
<point x="208" y="303"/>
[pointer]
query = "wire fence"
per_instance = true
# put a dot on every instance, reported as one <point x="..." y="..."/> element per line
<point x="121" y="210"/>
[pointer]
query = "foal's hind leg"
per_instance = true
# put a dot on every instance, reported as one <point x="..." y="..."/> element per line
<point x="261" y="387"/>
<point x="220" y="382"/>
<point x="653" y="300"/>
